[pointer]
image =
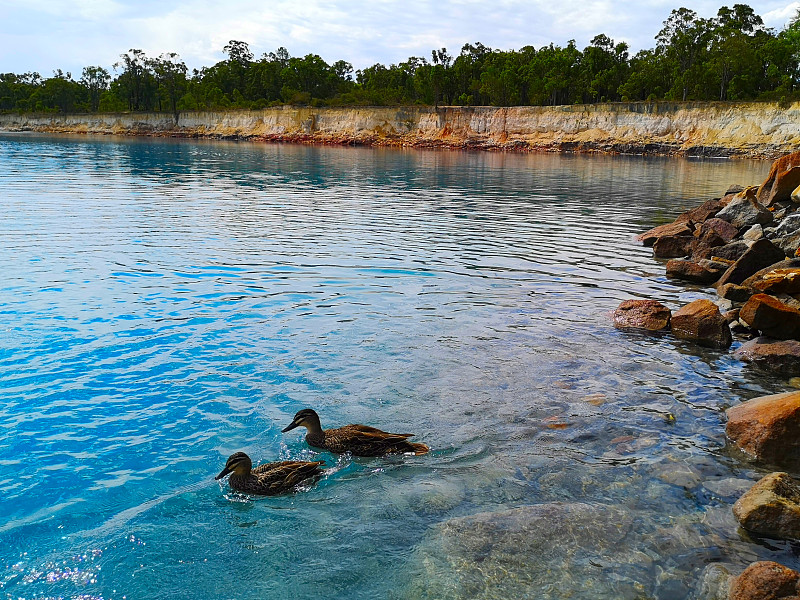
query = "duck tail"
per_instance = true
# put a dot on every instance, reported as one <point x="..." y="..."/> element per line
<point x="418" y="448"/>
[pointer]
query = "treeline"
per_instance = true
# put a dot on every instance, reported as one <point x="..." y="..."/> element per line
<point x="732" y="56"/>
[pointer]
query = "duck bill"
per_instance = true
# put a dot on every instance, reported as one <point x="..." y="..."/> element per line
<point x="222" y="474"/>
<point x="291" y="426"/>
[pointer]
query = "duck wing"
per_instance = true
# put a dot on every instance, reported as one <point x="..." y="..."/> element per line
<point x="363" y="440"/>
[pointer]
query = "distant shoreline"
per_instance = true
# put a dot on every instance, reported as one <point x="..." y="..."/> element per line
<point x="746" y="130"/>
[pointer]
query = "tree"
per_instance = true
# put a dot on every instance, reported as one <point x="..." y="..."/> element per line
<point x="95" y="80"/>
<point x="170" y="73"/>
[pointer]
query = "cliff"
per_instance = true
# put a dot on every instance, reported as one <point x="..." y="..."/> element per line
<point x="743" y="129"/>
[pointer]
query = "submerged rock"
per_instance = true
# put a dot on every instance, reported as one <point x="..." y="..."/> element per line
<point x="765" y="580"/>
<point x="771" y="317"/>
<point x="781" y="357"/>
<point x="544" y="551"/>
<point x="642" y="314"/>
<point x="700" y="321"/>
<point x="771" y="508"/>
<point x="767" y="428"/>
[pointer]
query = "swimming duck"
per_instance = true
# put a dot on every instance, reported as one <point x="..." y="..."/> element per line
<point x="268" y="479"/>
<point x="360" y="440"/>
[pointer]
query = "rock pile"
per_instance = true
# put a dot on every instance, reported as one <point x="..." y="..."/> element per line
<point x="745" y="244"/>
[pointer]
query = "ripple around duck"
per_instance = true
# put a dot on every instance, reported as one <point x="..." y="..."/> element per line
<point x="166" y="303"/>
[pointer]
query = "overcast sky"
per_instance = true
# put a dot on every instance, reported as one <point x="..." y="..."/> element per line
<point x="43" y="35"/>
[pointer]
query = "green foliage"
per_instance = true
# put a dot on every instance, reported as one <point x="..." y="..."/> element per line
<point x="731" y="56"/>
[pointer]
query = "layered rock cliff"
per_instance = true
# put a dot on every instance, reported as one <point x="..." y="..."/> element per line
<point x="744" y="129"/>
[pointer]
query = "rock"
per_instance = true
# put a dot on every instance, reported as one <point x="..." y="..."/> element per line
<point x="768" y="427"/>
<point x="689" y="270"/>
<point x="771" y="317"/>
<point x="787" y="225"/>
<point x="731" y="316"/>
<point x="642" y="314"/>
<point x="771" y="508"/>
<point x="648" y="238"/>
<point x="779" y="357"/>
<point x="713" y="583"/>
<point x="788" y="243"/>
<point x="756" y="232"/>
<point x="718" y="266"/>
<point x="700" y="321"/>
<point x="778" y="278"/>
<point x="733" y="251"/>
<point x="716" y="230"/>
<point x="673" y="246"/>
<point x="795" y="196"/>
<point x="781" y="181"/>
<point x="744" y="211"/>
<point x="758" y="256"/>
<point x="734" y="189"/>
<point x="765" y="580"/>
<point x="705" y="211"/>
<point x="736" y="293"/>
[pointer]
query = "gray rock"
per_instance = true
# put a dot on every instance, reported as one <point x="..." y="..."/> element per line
<point x="744" y="212"/>
<point x="713" y="583"/>
<point x="788" y="243"/>
<point x="789" y="224"/>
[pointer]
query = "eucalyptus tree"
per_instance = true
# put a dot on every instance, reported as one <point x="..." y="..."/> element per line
<point x="95" y="80"/>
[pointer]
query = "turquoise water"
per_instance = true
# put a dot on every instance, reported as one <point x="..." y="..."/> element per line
<point x="166" y="303"/>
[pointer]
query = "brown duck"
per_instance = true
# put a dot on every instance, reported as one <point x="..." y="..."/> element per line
<point x="268" y="479"/>
<point x="360" y="440"/>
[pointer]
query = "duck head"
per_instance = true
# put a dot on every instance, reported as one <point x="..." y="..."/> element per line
<point x="238" y="463"/>
<point x="306" y="418"/>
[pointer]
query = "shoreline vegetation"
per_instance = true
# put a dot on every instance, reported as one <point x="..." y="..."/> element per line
<point x="731" y="57"/>
<point x="752" y="130"/>
<point x="745" y="244"/>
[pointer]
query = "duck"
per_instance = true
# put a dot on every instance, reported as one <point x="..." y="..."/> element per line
<point x="359" y="440"/>
<point x="269" y="479"/>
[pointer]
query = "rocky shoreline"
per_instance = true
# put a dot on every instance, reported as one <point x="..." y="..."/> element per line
<point x="755" y="130"/>
<point x="746" y="244"/>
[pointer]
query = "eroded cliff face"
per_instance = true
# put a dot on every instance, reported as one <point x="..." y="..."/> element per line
<point x="746" y="129"/>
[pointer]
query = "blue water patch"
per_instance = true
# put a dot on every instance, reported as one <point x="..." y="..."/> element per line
<point x="167" y="303"/>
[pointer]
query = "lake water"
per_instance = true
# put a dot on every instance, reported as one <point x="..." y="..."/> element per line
<point x="166" y="303"/>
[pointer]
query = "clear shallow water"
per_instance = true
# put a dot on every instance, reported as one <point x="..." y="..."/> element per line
<point x="165" y="304"/>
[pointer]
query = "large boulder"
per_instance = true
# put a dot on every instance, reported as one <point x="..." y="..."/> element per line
<point x="689" y="270"/>
<point x="642" y="314"/>
<point x="745" y="211"/>
<point x="758" y="256"/>
<point x="783" y="178"/>
<point x="766" y="580"/>
<point x="768" y="427"/>
<point x="771" y="508"/>
<point x="771" y="317"/>
<point x="701" y="322"/>
<point x="781" y="357"/>
<point x="648" y="238"/>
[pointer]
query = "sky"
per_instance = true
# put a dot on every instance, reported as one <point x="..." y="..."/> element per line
<point x="44" y="35"/>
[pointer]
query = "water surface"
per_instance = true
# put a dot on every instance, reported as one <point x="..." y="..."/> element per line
<point x="166" y="303"/>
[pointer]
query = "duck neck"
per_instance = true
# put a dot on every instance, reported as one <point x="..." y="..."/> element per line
<point x="315" y="435"/>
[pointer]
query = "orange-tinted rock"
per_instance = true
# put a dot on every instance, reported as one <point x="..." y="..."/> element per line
<point x="783" y="178"/>
<point x="771" y="317"/>
<point x="780" y="278"/>
<point x="708" y="209"/>
<point x="781" y="357"/>
<point x="759" y="256"/>
<point x="648" y="238"/>
<point x="771" y="508"/>
<point x="689" y="270"/>
<point x="765" y="580"/>
<point x="767" y="427"/>
<point x="642" y="314"/>
<point x="700" y="321"/>
<point x="673" y="246"/>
